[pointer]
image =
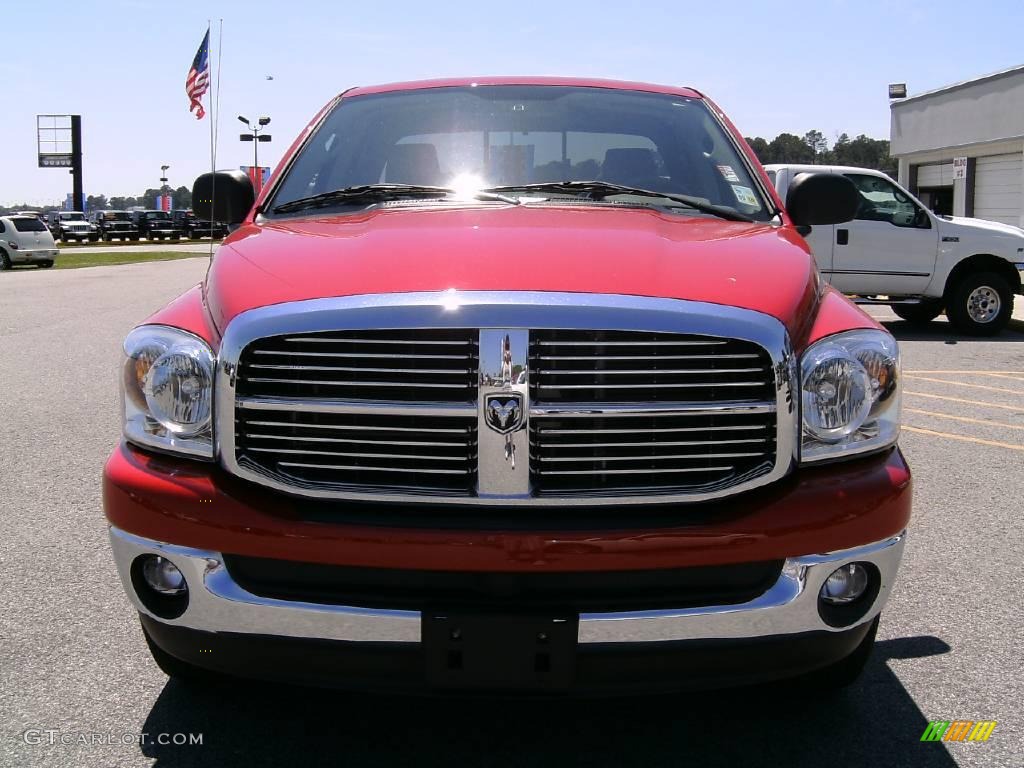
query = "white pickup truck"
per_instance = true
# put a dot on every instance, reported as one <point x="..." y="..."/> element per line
<point x="920" y="263"/>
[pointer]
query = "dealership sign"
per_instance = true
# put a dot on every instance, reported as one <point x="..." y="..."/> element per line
<point x="53" y="135"/>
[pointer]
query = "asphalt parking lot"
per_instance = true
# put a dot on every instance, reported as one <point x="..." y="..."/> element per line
<point x="73" y="661"/>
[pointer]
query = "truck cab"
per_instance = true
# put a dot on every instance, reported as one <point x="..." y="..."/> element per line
<point x="115" y="225"/>
<point x="897" y="252"/>
<point x="156" y="225"/>
<point x="71" y="225"/>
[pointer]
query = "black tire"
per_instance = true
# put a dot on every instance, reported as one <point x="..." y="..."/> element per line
<point x="919" y="314"/>
<point x="5" y="260"/>
<point x="135" y="238"/>
<point x="44" y="264"/>
<point x="981" y="304"/>
<point x="845" y="672"/>
<point x="177" y="669"/>
<point x="94" y="238"/>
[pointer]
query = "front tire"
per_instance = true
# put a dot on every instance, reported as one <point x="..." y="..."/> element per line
<point x="5" y="260"/>
<point x="981" y="304"/>
<point x="919" y="314"/>
<point x="44" y="264"/>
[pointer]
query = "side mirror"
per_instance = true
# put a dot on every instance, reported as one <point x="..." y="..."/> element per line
<point x="225" y="196"/>
<point x="821" y="198"/>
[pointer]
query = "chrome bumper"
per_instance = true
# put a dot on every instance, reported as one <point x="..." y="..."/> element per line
<point x="218" y="604"/>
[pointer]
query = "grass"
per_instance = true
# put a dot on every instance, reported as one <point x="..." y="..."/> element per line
<point x="114" y="244"/>
<point x="75" y="260"/>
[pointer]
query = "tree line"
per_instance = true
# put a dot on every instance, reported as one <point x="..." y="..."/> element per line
<point x="180" y="198"/>
<point x="813" y="148"/>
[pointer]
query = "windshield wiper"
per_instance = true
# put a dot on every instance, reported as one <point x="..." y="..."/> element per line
<point x="372" y="193"/>
<point x="602" y="189"/>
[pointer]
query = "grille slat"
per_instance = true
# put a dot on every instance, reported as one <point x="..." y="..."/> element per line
<point x="351" y="369"/>
<point x="420" y="443"/>
<point x="663" y="444"/>
<point x="647" y="471"/>
<point x="365" y="384"/>
<point x="347" y="355"/>
<point x="364" y="468"/>
<point x="647" y="371"/>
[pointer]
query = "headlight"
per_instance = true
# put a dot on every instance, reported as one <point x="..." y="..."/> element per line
<point x="167" y="386"/>
<point x="849" y="395"/>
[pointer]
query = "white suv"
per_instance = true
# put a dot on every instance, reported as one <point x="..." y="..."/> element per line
<point x="920" y="263"/>
<point x="25" y="240"/>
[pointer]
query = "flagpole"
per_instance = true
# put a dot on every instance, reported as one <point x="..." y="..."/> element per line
<point x="214" y="124"/>
<point x="213" y="137"/>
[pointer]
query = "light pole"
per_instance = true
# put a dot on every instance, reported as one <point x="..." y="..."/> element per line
<point x="163" y="183"/>
<point x="256" y="136"/>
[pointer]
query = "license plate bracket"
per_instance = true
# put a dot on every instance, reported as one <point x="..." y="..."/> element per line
<point x="499" y="651"/>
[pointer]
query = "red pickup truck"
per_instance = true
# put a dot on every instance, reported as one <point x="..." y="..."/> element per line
<point x="512" y="385"/>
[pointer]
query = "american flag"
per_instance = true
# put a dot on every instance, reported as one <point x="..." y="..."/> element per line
<point x="198" y="80"/>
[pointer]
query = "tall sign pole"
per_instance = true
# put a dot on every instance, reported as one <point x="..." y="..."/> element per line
<point x="77" y="195"/>
<point x="59" y="140"/>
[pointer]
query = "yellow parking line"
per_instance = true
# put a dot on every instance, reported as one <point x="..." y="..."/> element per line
<point x="1015" y="408"/>
<point x="964" y="384"/>
<point x="964" y="438"/>
<point x="1011" y="376"/>
<point x="965" y="418"/>
<point x="984" y="373"/>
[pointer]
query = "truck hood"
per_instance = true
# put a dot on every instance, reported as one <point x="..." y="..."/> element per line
<point x="981" y="226"/>
<point x="631" y="251"/>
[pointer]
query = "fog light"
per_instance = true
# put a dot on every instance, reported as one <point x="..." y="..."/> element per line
<point x="845" y="584"/>
<point x="163" y="576"/>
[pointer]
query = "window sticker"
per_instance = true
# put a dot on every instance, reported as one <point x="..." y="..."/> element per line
<point x="728" y="173"/>
<point x="746" y="196"/>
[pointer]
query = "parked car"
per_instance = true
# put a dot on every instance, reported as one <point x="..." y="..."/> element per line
<point x="71" y="226"/>
<point x="156" y="225"/>
<point x="195" y="228"/>
<point x="25" y="240"/>
<point x="898" y="252"/>
<point x="512" y="384"/>
<point x="115" y="225"/>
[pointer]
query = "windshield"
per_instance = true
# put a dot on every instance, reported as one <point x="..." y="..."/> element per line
<point x="28" y="225"/>
<point x="504" y="136"/>
<point x="72" y="217"/>
<point x="161" y="215"/>
<point x="117" y="215"/>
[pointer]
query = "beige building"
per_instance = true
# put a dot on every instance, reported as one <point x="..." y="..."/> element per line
<point x="961" y="148"/>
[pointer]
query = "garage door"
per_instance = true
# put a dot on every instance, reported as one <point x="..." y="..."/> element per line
<point x="997" y="185"/>
<point x="934" y="175"/>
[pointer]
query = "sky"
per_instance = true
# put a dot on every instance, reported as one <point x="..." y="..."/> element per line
<point x="773" y="67"/>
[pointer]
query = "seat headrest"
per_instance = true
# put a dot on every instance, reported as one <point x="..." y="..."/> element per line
<point x="413" y="164"/>
<point x="625" y="165"/>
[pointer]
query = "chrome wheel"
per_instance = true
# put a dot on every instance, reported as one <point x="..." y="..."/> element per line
<point x="983" y="304"/>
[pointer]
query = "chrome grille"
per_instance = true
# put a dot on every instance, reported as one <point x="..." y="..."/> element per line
<point x="409" y="397"/>
<point x="428" y="454"/>
<point x="628" y="366"/>
<point x="423" y="365"/>
<point x="692" y="447"/>
<point x="650" y="454"/>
